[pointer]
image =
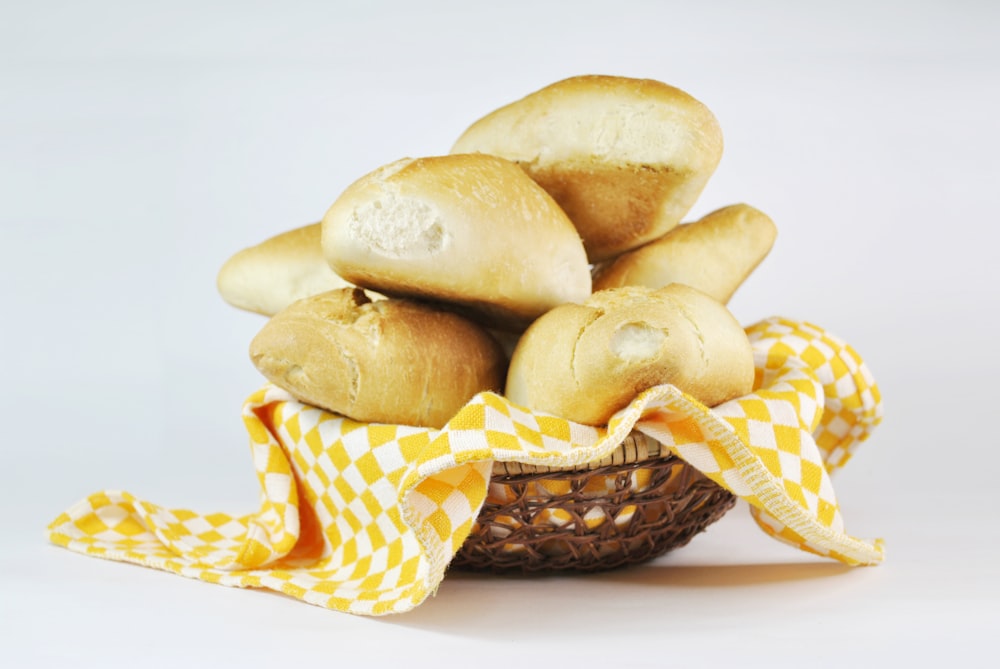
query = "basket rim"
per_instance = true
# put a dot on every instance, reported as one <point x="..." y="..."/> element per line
<point x="637" y="447"/>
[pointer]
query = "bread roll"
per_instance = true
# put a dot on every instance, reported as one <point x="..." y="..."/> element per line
<point x="268" y="277"/>
<point x="384" y="361"/>
<point x="715" y="254"/>
<point x="470" y="230"/>
<point x="625" y="158"/>
<point x="585" y="362"/>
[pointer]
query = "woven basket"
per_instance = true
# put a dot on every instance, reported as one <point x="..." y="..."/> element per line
<point x="634" y="505"/>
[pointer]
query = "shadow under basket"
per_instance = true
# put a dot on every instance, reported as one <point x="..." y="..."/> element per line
<point x="633" y="506"/>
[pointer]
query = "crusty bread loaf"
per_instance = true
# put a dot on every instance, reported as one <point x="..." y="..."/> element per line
<point x="268" y="277"/>
<point x="470" y="230"/>
<point x="625" y="158"/>
<point x="715" y="254"/>
<point x="585" y="362"/>
<point x="385" y="361"/>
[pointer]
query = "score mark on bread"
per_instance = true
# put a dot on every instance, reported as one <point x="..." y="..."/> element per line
<point x="396" y="225"/>
<point x="637" y="341"/>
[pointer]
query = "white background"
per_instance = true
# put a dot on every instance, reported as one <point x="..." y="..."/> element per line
<point x="144" y="143"/>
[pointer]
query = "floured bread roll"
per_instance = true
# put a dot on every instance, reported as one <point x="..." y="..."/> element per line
<point x="469" y="230"/>
<point x="715" y="254"/>
<point x="268" y="277"/>
<point x="384" y="361"/>
<point x="585" y="362"/>
<point x="625" y="158"/>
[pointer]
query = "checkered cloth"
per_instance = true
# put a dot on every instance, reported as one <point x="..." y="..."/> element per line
<point x="365" y="518"/>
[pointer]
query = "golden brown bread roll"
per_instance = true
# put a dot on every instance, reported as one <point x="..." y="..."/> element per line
<point x="469" y="230"/>
<point x="269" y="276"/>
<point x="625" y="158"/>
<point x="384" y="361"/>
<point x="585" y="362"/>
<point x="715" y="254"/>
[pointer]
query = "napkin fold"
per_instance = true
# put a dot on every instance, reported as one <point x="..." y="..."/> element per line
<point x="365" y="518"/>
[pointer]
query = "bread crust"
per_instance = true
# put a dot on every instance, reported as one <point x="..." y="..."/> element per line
<point x="626" y="158"/>
<point x="714" y="254"/>
<point x="585" y="362"/>
<point x="384" y="361"/>
<point x="269" y="276"/>
<point x="470" y="230"/>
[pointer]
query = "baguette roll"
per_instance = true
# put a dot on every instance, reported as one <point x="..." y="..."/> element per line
<point x="715" y="254"/>
<point x="472" y="231"/>
<point x="269" y="276"/>
<point x="384" y="361"/>
<point x="584" y="362"/>
<point x="625" y="158"/>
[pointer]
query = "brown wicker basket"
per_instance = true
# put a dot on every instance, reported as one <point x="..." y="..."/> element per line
<point x="631" y="507"/>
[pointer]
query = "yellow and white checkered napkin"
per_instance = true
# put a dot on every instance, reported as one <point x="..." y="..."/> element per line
<point x="365" y="518"/>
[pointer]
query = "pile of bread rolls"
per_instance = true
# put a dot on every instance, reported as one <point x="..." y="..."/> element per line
<point x="544" y="257"/>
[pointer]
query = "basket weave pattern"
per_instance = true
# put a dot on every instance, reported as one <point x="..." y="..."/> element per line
<point x="594" y="519"/>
